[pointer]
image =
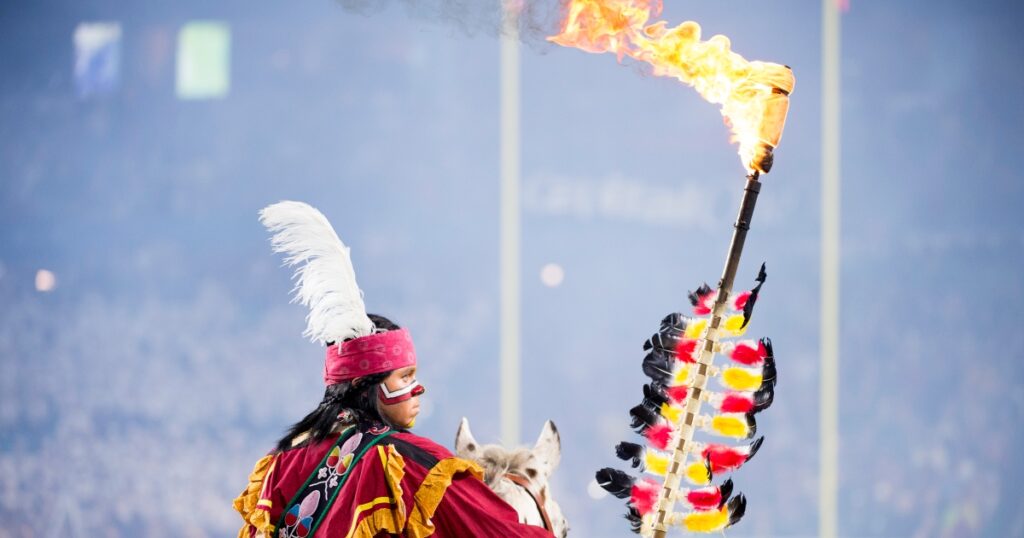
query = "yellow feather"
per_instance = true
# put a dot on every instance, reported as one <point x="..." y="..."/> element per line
<point x="697" y="473"/>
<point x="671" y="412"/>
<point x="656" y="462"/>
<point x="682" y="374"/>
<point x="710" y="521"/>
<point x="730" y="426"/>
<point x="696" y="329"/>
<point x="737" y="378"/>
<point x="734" y="325"/>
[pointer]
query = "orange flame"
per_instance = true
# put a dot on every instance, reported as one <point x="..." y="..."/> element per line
<point x="754" y="95"/>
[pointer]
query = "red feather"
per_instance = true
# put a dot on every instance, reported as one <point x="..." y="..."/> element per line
<point x="725" y="458"/>
<point x="659" y="435"/>
<point x="746" y="354"/>
<point x="736" y="402"/>
<point x="677" y="393"/>
<point x="643" y="496"/>
<point x="703" y="299"/>
<point x="685" y="349"/>
<point x="740" y="300"/>
<point x="705" y="498"/>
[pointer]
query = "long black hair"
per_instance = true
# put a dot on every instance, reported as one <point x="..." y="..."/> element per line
<point x="355" y="398"/>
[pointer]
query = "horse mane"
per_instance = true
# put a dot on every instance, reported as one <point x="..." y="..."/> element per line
<point x="497" y="461"/>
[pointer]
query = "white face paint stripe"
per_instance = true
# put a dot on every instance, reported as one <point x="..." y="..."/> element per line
<point x="400" y="392"/>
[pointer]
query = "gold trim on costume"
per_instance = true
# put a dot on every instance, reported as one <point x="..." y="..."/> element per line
<point x="255" y="511"/>
<point x="392" y="517"/>
<point x="366" y="506"/>
<point x="432" y="490"/>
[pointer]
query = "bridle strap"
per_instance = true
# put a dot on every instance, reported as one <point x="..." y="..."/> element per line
<point x="540" y="500"/>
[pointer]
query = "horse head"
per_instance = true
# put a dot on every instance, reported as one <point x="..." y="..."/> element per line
<point x="520" y="476"/>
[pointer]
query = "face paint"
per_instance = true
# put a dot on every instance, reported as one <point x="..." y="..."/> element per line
<point x="407" y="392"/>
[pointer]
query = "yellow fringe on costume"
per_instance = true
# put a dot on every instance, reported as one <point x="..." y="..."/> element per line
<point x="737" y="378"/>
<point x="432" y="490"/>
<point x="671" y="412"/>
<point x="390" y="516"/>
<point x="734" y="325"/>
<point x="730" y="426"/>
<point x="380" y="520"/>
<point x="655" y="462"/>
<point x="695" y="329"/>
<point x="710" y="521"/>
<point x="248" y="500"/>
<point x="697" y="474"/>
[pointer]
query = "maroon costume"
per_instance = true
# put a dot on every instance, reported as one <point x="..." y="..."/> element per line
<point x="405" y="485"/>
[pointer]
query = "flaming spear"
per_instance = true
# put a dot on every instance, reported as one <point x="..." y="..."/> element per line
<point x="755" y="100"/>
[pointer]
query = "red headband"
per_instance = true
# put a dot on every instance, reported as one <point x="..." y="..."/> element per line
<point x="366" y="355"/>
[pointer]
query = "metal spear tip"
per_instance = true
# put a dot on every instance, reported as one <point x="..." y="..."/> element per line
<point x="779" y="79"/>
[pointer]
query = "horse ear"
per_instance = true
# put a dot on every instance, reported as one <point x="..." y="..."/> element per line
<point x="465" y="445"/>
<point x="549" y="447"/>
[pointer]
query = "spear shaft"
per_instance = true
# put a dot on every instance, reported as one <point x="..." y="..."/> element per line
<point x="677" y="463"/>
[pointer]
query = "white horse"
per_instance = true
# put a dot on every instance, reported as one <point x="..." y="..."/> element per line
<point x="520" y="476"/>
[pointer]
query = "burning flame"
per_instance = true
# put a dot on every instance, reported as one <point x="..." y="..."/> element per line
<point x="754" y="95"/>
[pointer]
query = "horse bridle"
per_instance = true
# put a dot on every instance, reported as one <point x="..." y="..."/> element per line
<point x="539" y="499"/>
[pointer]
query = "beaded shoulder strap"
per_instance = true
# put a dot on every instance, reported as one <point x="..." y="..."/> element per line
<point x="305" y="511"/>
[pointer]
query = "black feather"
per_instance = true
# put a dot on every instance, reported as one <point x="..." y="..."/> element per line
<point x="695" y="296"/>
<point x="737" y="507"/>
<point x="654" y="395"/>
<point x="748" y="308"/>
<point x="672" y="329"/>
<point x="630" y="451"/>
<point x="707" y="466"/>
<point x="754" y="447"/>
<point x="643" y="418"/>
<point x="674" y="324"/>
<point x="662" y="342"/>
<point x="635" y="519"/>
<point x="615" y="482"/>
<point x="725" y="490"/>
<point x="752" y="425"/>
<point x="764" y="397"/>
<point x="658" y="366"/>
<point x="768" y="373"/>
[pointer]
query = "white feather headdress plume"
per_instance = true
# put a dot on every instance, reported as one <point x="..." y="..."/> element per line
<point x="326" y="281"/>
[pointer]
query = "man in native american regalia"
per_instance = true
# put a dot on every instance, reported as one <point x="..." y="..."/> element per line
<point x="351" y="468"/>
